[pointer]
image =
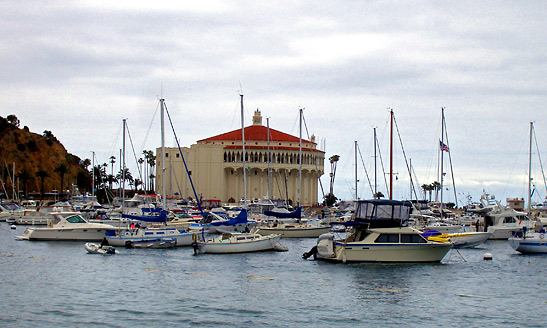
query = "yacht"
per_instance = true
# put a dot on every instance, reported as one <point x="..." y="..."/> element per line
<point x="67" y="226"/>
<point x="379" y="233"/>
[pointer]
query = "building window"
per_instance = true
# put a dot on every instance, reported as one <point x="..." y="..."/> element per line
<point x="178" y="155"/>
<point x="166" y="154"/>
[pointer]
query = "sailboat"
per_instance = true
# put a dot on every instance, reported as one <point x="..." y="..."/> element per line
<point x="245" y="242"/>
<point x="296" y="229"/>
<point x="379" y="232"/>
<point x="525" y="241"/>
<point x="152" y="237"/>
<point x="458" y="239"/>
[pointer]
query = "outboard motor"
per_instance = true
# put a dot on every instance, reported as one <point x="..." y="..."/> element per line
<point x="325" y="245"/>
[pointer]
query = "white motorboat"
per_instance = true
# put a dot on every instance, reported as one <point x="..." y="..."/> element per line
<point x="8" y="210"/>
<point x="506" y="222"/>
<point x="293" y="230"/>
<point x="93" y="248"/>
<point x="67" y="226"/>
<point x="238" y="243"/>
<point x="462" y="239"/>
<point x="379" y="234"/>
<point x="529" y="242"/>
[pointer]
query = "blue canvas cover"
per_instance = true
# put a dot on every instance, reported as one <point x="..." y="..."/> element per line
<point x="296" y="214"/>
<point x="381" y="213"/>
<point x="148" y="218"/>
<point x="240" y="218"/>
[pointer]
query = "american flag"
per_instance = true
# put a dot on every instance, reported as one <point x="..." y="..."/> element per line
<point x="443" y="146"/>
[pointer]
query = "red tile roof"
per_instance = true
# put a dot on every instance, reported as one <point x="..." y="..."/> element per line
<point x="255" y="133"/>
<point x="272" y="148"/>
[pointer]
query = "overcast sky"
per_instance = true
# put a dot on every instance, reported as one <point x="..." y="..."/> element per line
<point x="78" y="68"/>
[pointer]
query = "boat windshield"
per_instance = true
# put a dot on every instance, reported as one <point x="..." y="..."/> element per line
<point x="11" y="206"/>
<point x="75" y="219"/>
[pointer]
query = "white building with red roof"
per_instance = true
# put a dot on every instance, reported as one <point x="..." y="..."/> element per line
<point x="216" y="166"/>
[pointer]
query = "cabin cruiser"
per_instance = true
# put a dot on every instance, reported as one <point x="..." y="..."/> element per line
<point x="379" y="233"/>
<point x="67" y="226"/>
<point x="505" y="222"/>
<point x="8" y="211"/>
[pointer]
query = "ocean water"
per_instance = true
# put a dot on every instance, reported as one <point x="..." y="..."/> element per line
<point x="57" y="284"/>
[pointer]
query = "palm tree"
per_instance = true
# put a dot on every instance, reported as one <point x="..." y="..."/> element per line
<point x="42" y="175"/>
<point x="128" y="177"/>
<point x="110" y="178"/>
<point x="140" y="161"/>
<point x="426" y="188"/>
<point x="152" y="163"/>
<point x="151" y="176"/>
<point x="100" y="176"/>
<point x="112" y="161"/>
<point x="436" y="186"/>
<point x="86" y="162"/>
<point x="137" y="183"/>
<point x="61" y="169"/>
<point x="145" y="153"/>
<point x="378" y="195"/>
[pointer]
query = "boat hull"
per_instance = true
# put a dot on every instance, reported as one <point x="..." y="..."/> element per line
<point x="358" y="252"/>
<point x="529" y="245"/>
<point x="145" y="235"/>
<point x="83" y="234"/>
<point x="227" y="246"/>
<point x="502" y="233"/>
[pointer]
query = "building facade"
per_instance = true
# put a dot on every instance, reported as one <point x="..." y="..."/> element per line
<point x="216" y="167"/>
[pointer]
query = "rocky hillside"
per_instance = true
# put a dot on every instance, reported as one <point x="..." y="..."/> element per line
<point x="38" y="158"/>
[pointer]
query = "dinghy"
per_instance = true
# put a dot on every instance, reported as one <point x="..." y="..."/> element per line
<point x="93" y="248"/>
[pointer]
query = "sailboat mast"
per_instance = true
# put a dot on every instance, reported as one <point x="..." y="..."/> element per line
<point x="269" y="156"/>
<point x="356" y="196"/>
<point x="123" y="165"/>
<point x="300" y="160"/>
<point x="530" y="171"/>
<point x="375" y="169"/>
<point x="391" y="157"/>
<point x="163" y="196"/>
<point x="243" y="158"/>
<point x="93" y="175"/>
<point x="442" y="157"/>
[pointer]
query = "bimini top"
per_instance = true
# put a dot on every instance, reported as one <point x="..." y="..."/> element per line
<point x="381" y="213"/>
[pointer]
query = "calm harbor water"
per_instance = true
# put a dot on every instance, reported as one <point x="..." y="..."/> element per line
<point x="52" y="284"/>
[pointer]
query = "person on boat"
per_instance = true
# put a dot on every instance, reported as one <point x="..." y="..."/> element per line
<point x="477" y="224"/>
<point x="104" y="242"/>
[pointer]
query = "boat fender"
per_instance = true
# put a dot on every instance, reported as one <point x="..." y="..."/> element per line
<point x="541" y="235"/>
<point x="194" y="237"/>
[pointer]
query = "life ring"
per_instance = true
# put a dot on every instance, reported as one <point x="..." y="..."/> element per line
<point x="541" y="235"/>
<point x="194" y="237"/>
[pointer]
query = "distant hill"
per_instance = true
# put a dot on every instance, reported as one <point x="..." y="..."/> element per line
<point x="36" y="157"/>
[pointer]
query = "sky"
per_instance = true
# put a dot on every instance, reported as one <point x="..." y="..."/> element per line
<point x="78" y="68"/>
